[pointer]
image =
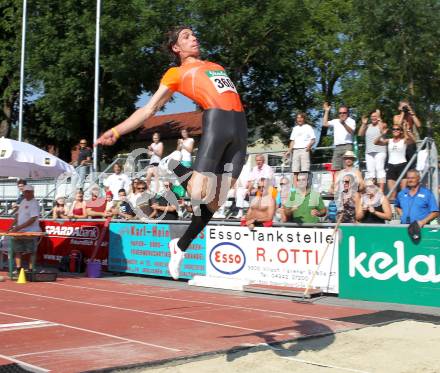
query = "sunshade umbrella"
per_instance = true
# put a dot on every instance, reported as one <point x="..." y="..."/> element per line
<point x="20" y="159"/>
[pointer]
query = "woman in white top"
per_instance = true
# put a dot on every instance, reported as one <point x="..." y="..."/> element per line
<point x="155" y="151"/>
<point x="185" y="145"/>
<point x="397" y="161"/>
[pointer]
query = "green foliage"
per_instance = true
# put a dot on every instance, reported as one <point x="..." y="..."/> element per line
<point x="285" y="56"/>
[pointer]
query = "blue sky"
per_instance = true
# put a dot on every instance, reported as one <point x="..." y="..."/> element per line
<point x="180" y="104"/>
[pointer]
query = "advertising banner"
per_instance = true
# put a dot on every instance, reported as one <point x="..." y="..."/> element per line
<point x="273" y="256"/>
<point x="383" y="264"/>
<point x="143" y="249"/>
<point x="64" y="236"/>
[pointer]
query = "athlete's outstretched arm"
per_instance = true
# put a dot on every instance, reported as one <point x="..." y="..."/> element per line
<point x="135" y="120"/>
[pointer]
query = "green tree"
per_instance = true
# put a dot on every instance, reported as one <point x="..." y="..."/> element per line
<point x="10" y="43"/>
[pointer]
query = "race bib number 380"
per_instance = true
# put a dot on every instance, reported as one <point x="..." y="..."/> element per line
<point x="221" y="81"/>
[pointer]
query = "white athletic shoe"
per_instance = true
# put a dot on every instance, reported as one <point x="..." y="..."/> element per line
<point x="168" y="163"/>
<point x="176" y="259"/>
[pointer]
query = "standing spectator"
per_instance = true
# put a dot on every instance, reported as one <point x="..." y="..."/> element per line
<point x="302" y="139"/>
<point x="397" y="160"/>
<point x="26" y="220"/>
<point x="304" y="205"/>
<point x="375" y="155"/>
<point x="343" y="131"/>
<point x="59" y="211"/>
<point x="124" y="209"/>
<point x="165" y="204"/>
<point x="261" y="170"/>
<point x="116" y="181"/>
<point x="78" y="210"/>
<point x="20" y="185"/>
<point x="407" y="117"/>
<point x="373" y="206"/>
<point x="155" y="151"/>
<point x="186" y="146"/>
<point x="262" y="208"/>
<point x="415" y="203"/>
<point x="84" y="161"/>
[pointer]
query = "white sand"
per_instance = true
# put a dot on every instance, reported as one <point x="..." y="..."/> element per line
<point x="403" y="347"/>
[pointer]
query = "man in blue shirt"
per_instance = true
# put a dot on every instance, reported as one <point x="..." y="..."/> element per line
<point x="415" y="202"/>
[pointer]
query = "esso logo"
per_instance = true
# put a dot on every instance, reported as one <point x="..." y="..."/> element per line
<point x="227" y="258"/>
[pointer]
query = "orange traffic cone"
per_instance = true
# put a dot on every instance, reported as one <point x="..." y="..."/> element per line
<point x="21" y="277"/>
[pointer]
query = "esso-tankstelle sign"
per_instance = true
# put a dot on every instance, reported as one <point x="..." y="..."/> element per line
<point x="227" y="258"/>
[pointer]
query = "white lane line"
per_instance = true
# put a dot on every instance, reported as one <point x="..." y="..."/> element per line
<point x="30" y="367"/>
<point x="71" y="349"/>
<point x="25" y="325"/>
<point x="205" y="303"/>
<point x="324" y="365"/>
<point x="99" y="333"/>
<point x="142" y="312"/>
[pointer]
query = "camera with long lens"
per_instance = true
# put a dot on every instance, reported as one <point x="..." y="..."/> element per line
<point x="405" y="109"/>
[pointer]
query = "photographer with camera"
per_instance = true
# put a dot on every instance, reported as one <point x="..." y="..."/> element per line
<point x="408" y="119"/>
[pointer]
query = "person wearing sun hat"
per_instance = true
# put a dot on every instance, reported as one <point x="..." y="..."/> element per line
<point x="349" y="169"/>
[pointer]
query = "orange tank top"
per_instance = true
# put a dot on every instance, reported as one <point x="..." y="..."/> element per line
<point x="206" y="83"/>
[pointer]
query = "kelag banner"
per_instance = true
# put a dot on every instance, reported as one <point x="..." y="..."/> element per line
<point x="143" y="249"/>
<point x="273" y="256"/>
<point x="383" y="264"/>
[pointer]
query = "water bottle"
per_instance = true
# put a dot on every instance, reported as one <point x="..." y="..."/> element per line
<point x="332" y="211"/>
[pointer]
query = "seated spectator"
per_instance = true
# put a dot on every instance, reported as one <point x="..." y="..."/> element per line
<point x="347" y="200"/>
<point x="262" y="208"/>
<point x="60" y="211"/>
<point x="373" y="206"/>
<point x="415" y="203"/>
<point x="284" y="191"/>
<point x="303" y="205"/>
<point x="261" y="170"/>
<point x="26" y="220"/>
<point x="349" y="169"/>
<point x="96" y="205"/>
<point x="124" y="210"/>
<point x="78" y="210"/>
<point x="165" y="204"/>
<point x="140" y="201"/>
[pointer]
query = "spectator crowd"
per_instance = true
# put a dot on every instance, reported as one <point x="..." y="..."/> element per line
<point x="259" y="198"/>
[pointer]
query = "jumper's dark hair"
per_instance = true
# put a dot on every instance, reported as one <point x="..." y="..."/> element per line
<point x="172" y="37"/>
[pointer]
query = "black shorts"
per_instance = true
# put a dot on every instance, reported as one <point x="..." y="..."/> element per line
<point x="394" y="170"/>
<point x="224" y="141"/>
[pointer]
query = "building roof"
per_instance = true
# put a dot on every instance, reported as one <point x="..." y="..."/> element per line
<point x="170" y="125"/>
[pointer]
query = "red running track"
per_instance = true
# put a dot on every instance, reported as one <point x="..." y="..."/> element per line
<point x="81" y="324"/>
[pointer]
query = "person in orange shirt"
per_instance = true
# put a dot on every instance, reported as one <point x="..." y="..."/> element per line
<point x="222" y="149"/>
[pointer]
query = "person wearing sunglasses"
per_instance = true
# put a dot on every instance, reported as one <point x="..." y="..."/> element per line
<point x="165" y="204"/>
<point x="397" y="161"/>
<point x="343" y="132"/>
<point x="84" y="161"/>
